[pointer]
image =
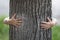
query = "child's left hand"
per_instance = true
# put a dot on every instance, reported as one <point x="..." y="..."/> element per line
<point x="47" y="25"/>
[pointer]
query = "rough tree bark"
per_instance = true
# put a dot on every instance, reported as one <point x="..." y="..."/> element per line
<point x="32" y="13"/>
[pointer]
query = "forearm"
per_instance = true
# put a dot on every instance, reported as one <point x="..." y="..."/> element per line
<point x="6" y="20"/>
<point x="54" y="21"/>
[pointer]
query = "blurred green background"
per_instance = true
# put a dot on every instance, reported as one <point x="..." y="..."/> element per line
<point x="56" y="32"/>
<point x="4" y="31"/>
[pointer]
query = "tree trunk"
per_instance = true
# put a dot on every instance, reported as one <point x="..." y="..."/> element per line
<point x="32" y="13"/>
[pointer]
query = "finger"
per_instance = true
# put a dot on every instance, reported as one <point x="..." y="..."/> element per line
<point x="43" y="22"/>
<point x="48" y="19"/>
<point x="18" y="24"/>
<point x="19" y="21"/>
<point x="14" y="16"/>
<point x="43" y="27"/>
<point x="47" y="28"/>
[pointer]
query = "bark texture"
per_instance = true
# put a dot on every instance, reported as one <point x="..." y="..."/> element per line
<point x="32" y="13"/>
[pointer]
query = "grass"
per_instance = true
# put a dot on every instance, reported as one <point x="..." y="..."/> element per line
<point x="4" y="31"/>
<point x="56" y="33"/>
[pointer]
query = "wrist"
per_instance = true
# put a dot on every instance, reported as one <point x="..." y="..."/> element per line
<point x="52" y="24"/>
<point x="9" y="21"/>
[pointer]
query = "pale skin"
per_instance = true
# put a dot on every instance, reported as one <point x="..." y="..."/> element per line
<point x="14" y="21"/>
<point x="47" y="25"/>
<point x="18" y="21"/>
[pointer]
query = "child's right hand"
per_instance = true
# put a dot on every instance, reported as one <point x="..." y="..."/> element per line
<point x="14" y="21"/>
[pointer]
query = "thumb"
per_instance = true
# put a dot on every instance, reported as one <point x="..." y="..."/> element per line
<point x="14" y="15"/>
<point x="48" y="19"/>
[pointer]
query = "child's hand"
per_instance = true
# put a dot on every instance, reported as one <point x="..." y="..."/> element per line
<point x="47" y="25"/>
<point x="14" y="22"/>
